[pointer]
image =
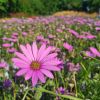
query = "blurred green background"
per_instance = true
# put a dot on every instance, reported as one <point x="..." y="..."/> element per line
<point x="46" y="7"/>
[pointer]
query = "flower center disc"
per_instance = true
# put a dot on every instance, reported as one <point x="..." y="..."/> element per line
<point x="35" y="65"/>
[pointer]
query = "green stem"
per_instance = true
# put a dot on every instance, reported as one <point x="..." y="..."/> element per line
<point x="56" y="81"/>
<point x="62" y="79"/>
<point x="4" y="95"/>
<point x="63" y="96"/>
<point x="25" y="94"/>
<point x="84" y="67"/>
<point x="75" y="84"/>
<point x="14" y="94"/>
<point x="95" y="59"/>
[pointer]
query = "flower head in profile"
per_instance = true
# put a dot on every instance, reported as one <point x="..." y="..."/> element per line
<point x="6" y="45"/>
<point x="95" y="51"/>
<point x="68" y="46"/>
<point x="36" y="63"/>
<point x="90" y="54"/>
<point x="3" y="64"/>
<point x="72" y="67"/>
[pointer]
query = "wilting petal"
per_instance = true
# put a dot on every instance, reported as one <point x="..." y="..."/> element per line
<point x="47" y="73"/>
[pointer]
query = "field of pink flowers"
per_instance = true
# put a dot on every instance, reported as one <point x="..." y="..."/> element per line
<point x="50" y="58"/>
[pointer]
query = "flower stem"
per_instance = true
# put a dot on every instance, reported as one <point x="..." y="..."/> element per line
<point x="74" y="79"/>
<point x="62" y="78"/>
<point x="4" y="95"/>
<point x="25" y="94"/>
<point x="63" y="96"/>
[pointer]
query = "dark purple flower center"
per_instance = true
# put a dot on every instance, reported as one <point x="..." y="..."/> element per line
<point x="35" y="65"/>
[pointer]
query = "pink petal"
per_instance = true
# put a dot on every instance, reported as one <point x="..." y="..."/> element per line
<point x="45" y="53"/>
<point x="30" y="51"/>
<point x="52" y="68"/>
<point x="41" y="76"/>
<point x="35" y="50"/>
<point x="25" y="51"/>
<point x="50" y="56"/>
<point x="21" y="56"/>
<point x="41" y="50"/>
<point x="21" y="65"/>
<point x="28" y="75"/>
<point x="17" y="60"/>
<point x="47" y="73"/>
<point x="21" y="72"/>
<point x="52" y="62"/>
<point x="34" y="79"/>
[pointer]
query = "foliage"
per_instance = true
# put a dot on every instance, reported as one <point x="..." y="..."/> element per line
<point x="3" y="7"/>
<point x="47" y="7"/>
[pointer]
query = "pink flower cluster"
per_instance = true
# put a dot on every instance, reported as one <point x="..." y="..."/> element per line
<point x="93" y="52"/>
<point x="86" y="35"/>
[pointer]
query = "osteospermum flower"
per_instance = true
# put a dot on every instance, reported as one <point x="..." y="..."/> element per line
<point x="68" y="46"/>
<point x="36" y="63"/>
<point x="6" y="45"/>
<point x="95" y="51"/>
<point x="3" y="64"/>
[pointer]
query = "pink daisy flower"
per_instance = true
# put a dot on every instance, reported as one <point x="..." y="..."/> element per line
<point x="59" y="30"/>
<point x="3" y="64"/>
<point x="36" y="63"/>
<point x="24" y="33"/>
<point x="90" y="36"/>
<point x="68" y="46"/>
<point x="6" y="45"/>
<point x="90" y="54"/>
<point x="95" y="51"/>
<point x="15" y="34"/>
<point x="74" y="32"/>
<point x="97" y="28"/>
<point x="11" y="50"/>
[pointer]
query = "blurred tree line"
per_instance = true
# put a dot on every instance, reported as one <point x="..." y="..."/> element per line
<point x="46" y="7"/>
